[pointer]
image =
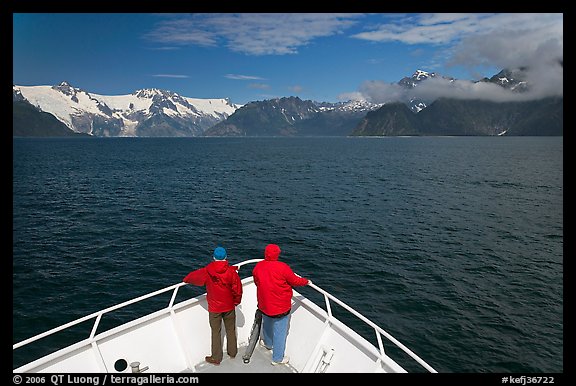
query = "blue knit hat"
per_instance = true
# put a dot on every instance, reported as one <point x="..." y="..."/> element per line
<point x="220" y="253"/>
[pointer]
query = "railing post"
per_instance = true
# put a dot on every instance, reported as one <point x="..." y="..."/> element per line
<point x="95" y="327"/>
<point x="173" y="298"/>
<point x="328" y="308"/>
<point x="380" y="344"/>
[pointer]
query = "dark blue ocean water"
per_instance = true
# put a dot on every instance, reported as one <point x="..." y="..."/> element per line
<point x="453" y="245"/>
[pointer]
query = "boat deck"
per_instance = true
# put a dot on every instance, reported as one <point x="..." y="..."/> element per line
<point x="259" y="363"/>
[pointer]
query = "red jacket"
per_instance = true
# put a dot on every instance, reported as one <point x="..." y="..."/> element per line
<point x="223" y="285"/>
<point x="274" y="281"/>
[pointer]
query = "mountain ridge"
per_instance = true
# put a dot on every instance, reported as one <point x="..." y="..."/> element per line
<point x="161" y="113"/>
<point x="292" y="116"/>
<point x="145" y="112"/>
<point x="456" y="117"/>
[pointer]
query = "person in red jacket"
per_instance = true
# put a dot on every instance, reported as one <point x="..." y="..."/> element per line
<point x="274" y="281"/>
<point x="224" y="293"/>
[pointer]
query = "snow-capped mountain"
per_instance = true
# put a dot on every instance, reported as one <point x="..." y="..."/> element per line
<point x="452" y="116"/>
<point x="511" y="79"/>
<point x="147" y="112"/>
<point x="514" y="80"/>
<point x="416" y="104"/>
<point x="416" y="78"/>
<point x="291" y="116"/>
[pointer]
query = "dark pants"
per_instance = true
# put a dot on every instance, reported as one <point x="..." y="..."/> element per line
<point x="229" y="319"/>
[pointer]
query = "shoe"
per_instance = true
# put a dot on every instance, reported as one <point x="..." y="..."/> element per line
<point x="282" y="362"/>
<point x="232" y="356"/>
<point x="263" y="345"/>
<point x="212" y="360"/>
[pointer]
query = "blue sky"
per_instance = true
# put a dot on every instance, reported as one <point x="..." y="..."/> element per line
<point x="247" y="57"/>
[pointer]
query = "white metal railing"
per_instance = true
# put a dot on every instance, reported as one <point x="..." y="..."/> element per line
<point x="379" y="331"/>
<point x="327" y="297"/>
<point x="98" y="315"/>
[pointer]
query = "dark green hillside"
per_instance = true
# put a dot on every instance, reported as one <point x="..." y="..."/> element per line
<point x="390" y="119"/>
<point x="27" y="121"/>
<point x="542" y="117"/>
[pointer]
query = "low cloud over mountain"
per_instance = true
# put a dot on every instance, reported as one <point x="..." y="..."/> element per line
<point x="540" y="82"/>
<point x="531" y="42"/>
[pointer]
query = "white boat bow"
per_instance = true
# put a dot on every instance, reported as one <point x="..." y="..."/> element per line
<point x="176" y="339"/>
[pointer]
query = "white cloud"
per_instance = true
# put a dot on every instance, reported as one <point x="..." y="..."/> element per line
<point x="261" y="86"/>
<point x="453" y="27"/>
<point x="164" y="48"/>
<point x="424" y="29"/>
<point x="251" y="33"/>
<point x="351" y="96"/>
<point x="433" y="88"/>
<point x="516" y="41"/>
<point x="170" y="76"/>
<point x="242" y="77"/>
<point x="377" y="91"/>
<point x="182" y="31"/>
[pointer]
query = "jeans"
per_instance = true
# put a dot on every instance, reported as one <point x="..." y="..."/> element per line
<point x="274" y="333"/>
